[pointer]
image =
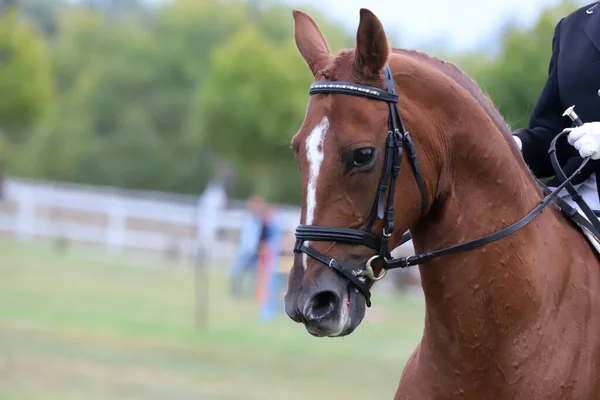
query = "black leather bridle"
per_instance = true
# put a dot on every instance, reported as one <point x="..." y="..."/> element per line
<point x="397" y="138"/>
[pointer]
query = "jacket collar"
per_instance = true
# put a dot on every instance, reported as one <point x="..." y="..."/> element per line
<point x="591" y="26"/>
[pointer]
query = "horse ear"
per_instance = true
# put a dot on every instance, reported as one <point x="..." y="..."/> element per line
<point x="372" y="48"/>
<point x="310" y="42"/>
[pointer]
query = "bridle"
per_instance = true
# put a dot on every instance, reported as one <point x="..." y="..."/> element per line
<point x="398" y="138"/>
<point x="382" y="209"/>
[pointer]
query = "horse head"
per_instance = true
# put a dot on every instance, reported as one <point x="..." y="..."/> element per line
<point x="348" y="154"/>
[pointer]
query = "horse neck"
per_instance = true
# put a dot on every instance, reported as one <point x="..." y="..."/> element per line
<point x="479" y="299"/>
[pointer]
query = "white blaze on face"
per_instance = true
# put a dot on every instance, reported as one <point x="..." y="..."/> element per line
<point x="314" y="155"/>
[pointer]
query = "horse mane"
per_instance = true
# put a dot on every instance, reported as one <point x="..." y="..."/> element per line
<point x="342" y="62"/>
<point x="460" y="77"/>
<point x="466" y="82"/>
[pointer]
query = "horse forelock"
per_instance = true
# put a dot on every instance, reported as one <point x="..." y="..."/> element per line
<point x="342" y="68"/>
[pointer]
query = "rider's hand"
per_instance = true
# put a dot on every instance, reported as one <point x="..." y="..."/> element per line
<point x="586" y="139"/>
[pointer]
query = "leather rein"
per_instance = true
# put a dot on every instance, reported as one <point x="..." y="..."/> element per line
<point x="383" y="208"/>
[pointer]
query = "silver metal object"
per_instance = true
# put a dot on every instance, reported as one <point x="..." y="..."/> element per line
<point x="570" y="112"/>
<point x="369" y="273"/>
<point x="574" y="117"/>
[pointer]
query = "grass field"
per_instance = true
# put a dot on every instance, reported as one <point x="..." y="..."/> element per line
<point x="88" y="326"/>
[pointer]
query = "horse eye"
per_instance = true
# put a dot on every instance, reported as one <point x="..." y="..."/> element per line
<point x="362" y="157"/>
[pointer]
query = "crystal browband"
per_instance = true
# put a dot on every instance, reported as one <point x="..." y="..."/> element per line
<point x="354" y="89"/>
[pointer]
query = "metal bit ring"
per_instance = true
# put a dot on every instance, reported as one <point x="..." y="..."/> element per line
<point x="369" y="273"/>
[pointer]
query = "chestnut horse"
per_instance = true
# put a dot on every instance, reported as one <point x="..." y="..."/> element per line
<point x="517" y="317"/>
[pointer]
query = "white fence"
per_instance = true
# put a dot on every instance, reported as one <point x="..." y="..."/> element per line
<point x="121" y="220"/>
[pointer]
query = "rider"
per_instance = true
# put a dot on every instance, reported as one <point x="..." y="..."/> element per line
<point x="573" y="79"/>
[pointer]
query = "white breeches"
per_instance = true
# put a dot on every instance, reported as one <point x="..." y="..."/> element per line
<point x="588" y="191"/>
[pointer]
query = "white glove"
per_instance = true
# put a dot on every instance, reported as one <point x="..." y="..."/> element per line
<point x="586" y="139"/>
<point x="519" y="142"/>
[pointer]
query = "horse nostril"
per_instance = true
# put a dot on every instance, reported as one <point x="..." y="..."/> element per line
<point x="320" y="306"/>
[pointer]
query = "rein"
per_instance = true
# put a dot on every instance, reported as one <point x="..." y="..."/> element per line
<point x="397" y="138"/>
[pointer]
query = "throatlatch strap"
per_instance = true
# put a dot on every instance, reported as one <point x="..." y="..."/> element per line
<point x="398" y="126"/>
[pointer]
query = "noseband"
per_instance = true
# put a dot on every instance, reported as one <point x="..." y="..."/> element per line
<point x="397" y="138"/>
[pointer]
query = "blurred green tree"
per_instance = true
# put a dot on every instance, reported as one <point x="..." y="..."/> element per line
<point x="25" y="78"/>
<point x="43" y="14"/>
<point x="515" y="77"/>
<point x="25" y="82"/>
<point x="253" y="104"/>
<point x="125" y="92"/>
<point x="163" y="96"/>
<point x="254" y="99"/>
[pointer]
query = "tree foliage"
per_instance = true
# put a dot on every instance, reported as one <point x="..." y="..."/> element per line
<point x="255" y="99"/>
<point x="25" y="79"/>
<point x="516" y="76"/>
<point x="165" y="95"/>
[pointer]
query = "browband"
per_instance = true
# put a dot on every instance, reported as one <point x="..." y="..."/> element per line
<point x="354" y="89"/>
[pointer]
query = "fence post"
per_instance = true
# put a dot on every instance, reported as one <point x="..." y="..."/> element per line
<point x="115" y="231"/>
<point x="208" y="211"/>
<point x="201" y="290"/>
<point x="209" y="207"/>
<point x="26" y="214"/>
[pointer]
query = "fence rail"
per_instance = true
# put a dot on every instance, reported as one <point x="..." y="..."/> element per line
<point x="122" y="219"/>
